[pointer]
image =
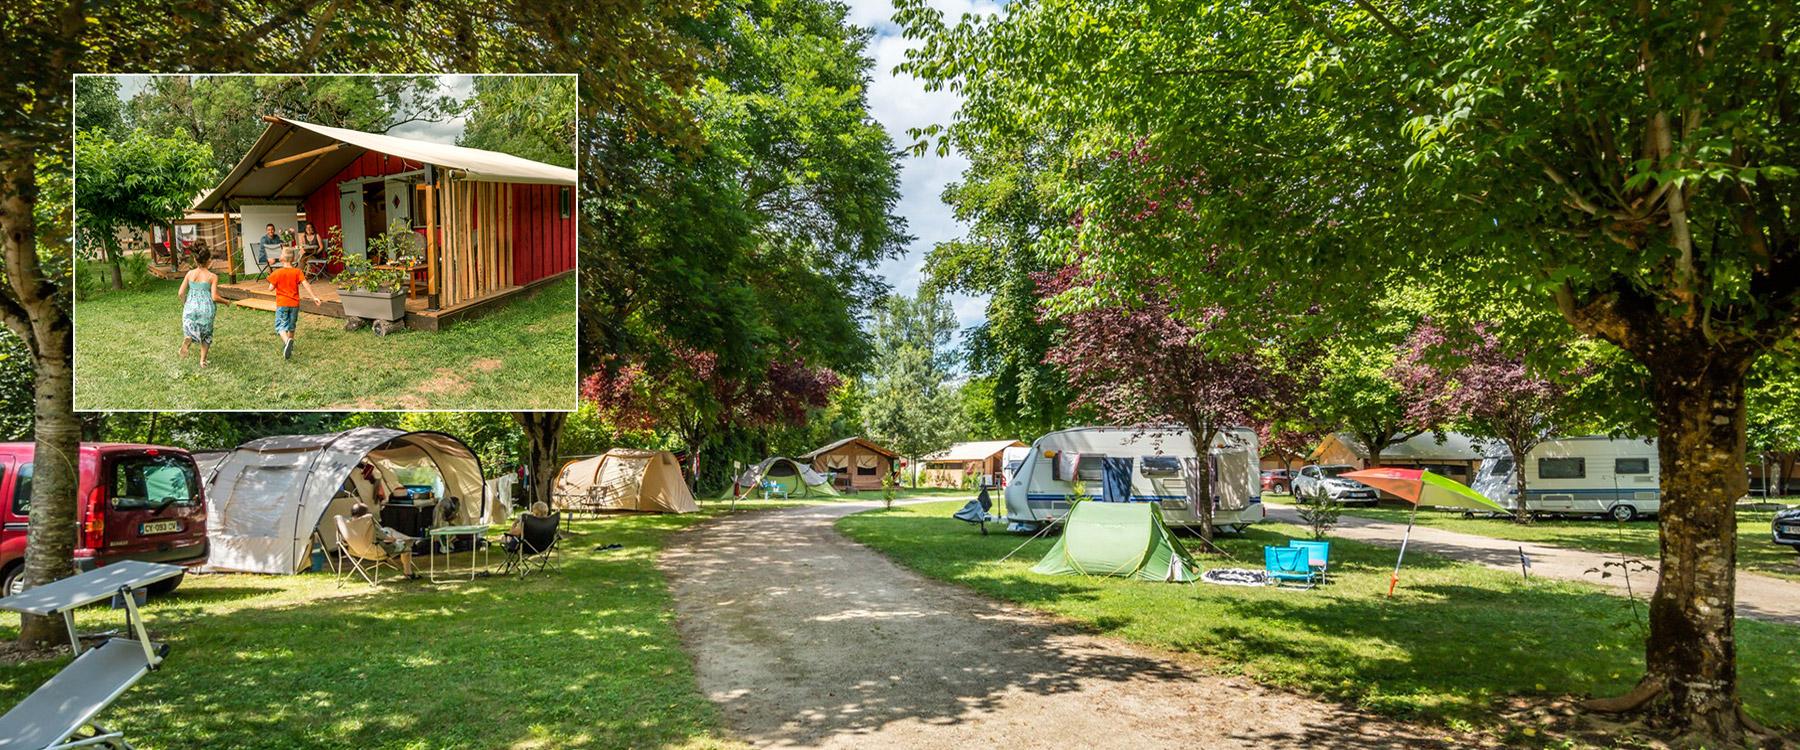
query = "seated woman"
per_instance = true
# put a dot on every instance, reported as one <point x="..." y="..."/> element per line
<point x="398" y="545"/>
<point x="517" y="532"/>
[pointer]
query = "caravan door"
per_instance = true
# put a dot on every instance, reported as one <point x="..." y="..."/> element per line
<point x="351" y="213"/>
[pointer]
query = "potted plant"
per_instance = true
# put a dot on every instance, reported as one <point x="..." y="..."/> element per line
<point x="377" y="293"/>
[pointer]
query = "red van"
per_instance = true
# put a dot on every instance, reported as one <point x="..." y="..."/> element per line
<point x="134" y="502"/>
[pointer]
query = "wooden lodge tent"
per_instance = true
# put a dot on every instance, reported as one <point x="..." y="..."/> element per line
<point x="854" y="463"/>
<point x="950" y="467"/>
<point x="490" y="223"/>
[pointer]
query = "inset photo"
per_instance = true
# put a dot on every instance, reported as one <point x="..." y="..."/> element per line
<point x="333" y="242"/>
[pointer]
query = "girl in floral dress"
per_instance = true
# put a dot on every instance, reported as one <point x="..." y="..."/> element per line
<point x="200" y="289"/>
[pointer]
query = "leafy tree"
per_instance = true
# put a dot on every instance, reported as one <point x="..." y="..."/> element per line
<point x="1357" y="392"/>
<point x="1134" y="360"/>
<point x="1484" y="388"/>
<point x="1773" y="429"/>
<point x="976" y="411"/>
<point x="911" y="408"/>
<point x="1289" y="439"/>
<point x="97" y="106"/>
<point x="15" y="387"/>
<point x="141" y="181"/>
<point x="1626" y="165"/>
<point x="528" y="116"/>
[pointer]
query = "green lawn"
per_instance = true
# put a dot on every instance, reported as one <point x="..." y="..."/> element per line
<point x="521" y="356"/>
<point x="587" y="657"/>
<point x="1755" y="552"/>
<point x="1453" y="643"/>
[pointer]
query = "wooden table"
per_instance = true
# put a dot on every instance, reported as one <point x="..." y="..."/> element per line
<point x="410" y="269"/>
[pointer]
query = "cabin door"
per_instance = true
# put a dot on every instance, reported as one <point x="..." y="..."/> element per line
<point x="399" y="202"/>
<point x="350" y="220"/>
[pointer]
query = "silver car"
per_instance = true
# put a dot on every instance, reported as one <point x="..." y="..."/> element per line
<point x="1317" y="482"/>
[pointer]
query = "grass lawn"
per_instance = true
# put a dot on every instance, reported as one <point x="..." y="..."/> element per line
<point x="1449" y="648"/>
<point x="521" y="356"/>
<point x="1755" y="552"/>
<point x="586" y="657"/>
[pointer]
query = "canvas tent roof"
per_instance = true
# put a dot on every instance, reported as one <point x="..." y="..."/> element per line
<point x="266" y="498"/>
<point x="1127" y="540"/>
<point x="829" y="447"/>
<point x="1421" y="447"/>
<point x="974" y="451"/>
<point x="293" y="158"/>
<point x="625" y="479"/>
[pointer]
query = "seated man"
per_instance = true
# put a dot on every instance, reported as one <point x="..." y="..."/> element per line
<point x="398" y="545"/>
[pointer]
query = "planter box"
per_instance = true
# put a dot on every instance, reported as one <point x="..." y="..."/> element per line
<point x="373" y="305"/>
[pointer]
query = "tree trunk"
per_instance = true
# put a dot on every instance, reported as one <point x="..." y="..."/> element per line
<point x="50" y="538"/>
<point x="1519" y="450"/>
<point x="112" y="267"/>
<point x="1202" y="439"/>
<point x="1690" y="679"/>
<point x="543" y="435"/>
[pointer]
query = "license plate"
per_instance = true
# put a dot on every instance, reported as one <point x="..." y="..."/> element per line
<point x="159" y="527"/>
<point x="1790" y="529"/>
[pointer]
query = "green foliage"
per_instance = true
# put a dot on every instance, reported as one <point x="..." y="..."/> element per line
<point x="93" y="278"/>
<point x="17" y="402"/>
<point x="398" y="245"/>
<point x="97" y="106"/>
<point x="139" y="181"/>
<point x="911" y="408"/>
<point x="1320" y="514"/>
<point x="976" y="410"/>
<point x="526" y="116"/>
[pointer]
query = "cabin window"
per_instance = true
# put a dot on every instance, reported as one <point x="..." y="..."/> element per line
<point x="1562" y="468"/>
<point x="565" y="200"/>
<point x="1160" y="466"/>
<point x="1631" y="466"/>
<point x="943" y="465"/>
<point x="1502" y="467"/>
<point x="21" y="499"/>
<point x="1089" y="469"/>
<point x="865" y="471"/>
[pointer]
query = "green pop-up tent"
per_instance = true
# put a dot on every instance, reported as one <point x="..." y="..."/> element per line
<point x="1128" y="540"/>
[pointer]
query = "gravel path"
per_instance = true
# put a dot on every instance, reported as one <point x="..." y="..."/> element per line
<point x="806" y="639"/>
<point x="1758" y="596"/>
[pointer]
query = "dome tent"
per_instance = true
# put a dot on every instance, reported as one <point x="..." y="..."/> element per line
<point x="267" y="497"/>
<point x="797" y="478"/>
<point x="624" y="479"/>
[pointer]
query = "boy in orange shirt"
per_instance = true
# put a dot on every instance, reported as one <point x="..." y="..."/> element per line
<point x="286" y="282"/>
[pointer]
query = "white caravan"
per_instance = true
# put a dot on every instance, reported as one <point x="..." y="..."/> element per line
<point x="1579" y="476"/>
<point x="1129" y="464"/>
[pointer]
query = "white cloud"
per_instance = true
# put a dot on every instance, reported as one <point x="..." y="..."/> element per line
<point x="900" y="102"/>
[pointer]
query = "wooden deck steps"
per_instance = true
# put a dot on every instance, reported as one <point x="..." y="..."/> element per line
<point x="256" y="303"/>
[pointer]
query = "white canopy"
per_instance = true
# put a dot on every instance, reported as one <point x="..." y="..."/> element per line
<point x="975" y="451"/>
<point x="625" y="479"/>
<point x="291" y="159"/>
<point x="266" y="498"/>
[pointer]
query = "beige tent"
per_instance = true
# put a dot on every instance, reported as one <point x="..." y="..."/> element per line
<point x="624" y="479"/>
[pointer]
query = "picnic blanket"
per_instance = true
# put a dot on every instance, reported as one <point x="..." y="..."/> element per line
<point x="1235" y="577"/>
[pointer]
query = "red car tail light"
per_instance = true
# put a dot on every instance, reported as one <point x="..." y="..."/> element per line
<point x="94" y="528"/>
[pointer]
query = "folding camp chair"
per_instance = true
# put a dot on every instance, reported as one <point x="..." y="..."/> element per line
<point x="356" y="545"/>
<point x="774" y="488"/>
<point x="1318" y="555"/>
<point x="1286" y="565"/>
<point x="535" y="546"/>
<point x="61" y="712"/>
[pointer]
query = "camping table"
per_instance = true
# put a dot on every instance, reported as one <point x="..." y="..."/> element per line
<point x="69" y="594"/>
<point x="445" y="533"/>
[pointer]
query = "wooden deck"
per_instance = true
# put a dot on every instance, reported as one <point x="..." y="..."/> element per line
<point x="255" y="293"/>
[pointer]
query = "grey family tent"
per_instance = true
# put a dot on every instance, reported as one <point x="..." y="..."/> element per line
<point x="1128" y="540"/>
<point x="266" y="498"/>
<point x="624" y="479"/>
<point x="797" y="479"/>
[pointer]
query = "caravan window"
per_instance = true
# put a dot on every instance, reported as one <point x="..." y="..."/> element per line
<point x="1160" y="466"/>
<point x="1562" y="468"/>
<point x="1089" y="470"/>
<point x="1502" y="467"/>
<point x="1631" y="466"/>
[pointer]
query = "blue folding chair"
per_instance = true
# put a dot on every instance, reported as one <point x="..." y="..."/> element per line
<point x="774" y="488"/>
<point x="1285" y="565"/>
<point x="1318" y="555"/>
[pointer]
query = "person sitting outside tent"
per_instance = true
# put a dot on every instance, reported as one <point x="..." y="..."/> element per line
<point x="397" y="544"/>
<point x="265" y="247"/>
<point x="513" y="535"/>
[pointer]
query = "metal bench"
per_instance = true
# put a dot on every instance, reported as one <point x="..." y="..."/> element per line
<point x="55" y="715"/>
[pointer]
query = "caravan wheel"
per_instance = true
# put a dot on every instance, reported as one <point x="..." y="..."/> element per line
<point x="1623" y="513"/>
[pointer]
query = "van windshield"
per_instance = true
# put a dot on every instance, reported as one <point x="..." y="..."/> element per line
<point x="153" y="481"/>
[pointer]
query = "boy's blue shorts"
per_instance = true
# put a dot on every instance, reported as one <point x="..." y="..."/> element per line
<point x="286" y="318"/>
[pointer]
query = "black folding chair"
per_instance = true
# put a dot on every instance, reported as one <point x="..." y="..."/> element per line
<point x="535" y="547"/>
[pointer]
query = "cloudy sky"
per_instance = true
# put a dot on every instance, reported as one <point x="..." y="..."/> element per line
<point x="900" y="102"/>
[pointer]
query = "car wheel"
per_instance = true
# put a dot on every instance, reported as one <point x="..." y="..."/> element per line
<point x="12" y="581"/>
<point x="166" y="587"/>
<point x="1623" y="513"/>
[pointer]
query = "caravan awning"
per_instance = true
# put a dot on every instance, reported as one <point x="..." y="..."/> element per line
<point x="291" y="159"/>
